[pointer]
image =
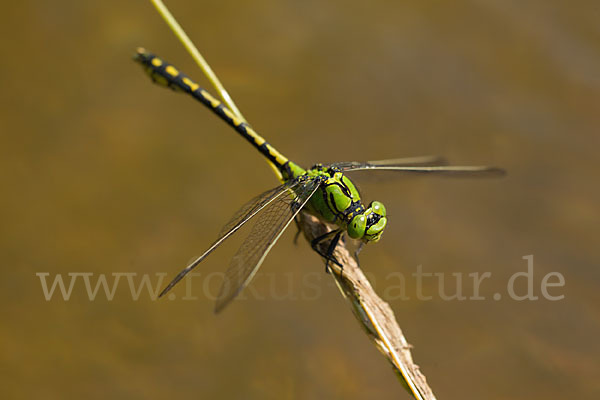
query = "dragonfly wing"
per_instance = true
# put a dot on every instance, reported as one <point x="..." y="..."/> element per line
<point x="255" y="204"/>
<point x="269" y="226"/>
<point x="243" y="215"/>
<point x="395" y="162"/>
<point x="443" y="170"/>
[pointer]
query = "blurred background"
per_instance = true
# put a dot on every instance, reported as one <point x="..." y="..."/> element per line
<point x="103" y="173"/>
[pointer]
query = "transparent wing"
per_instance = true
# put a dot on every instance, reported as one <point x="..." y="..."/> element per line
<point x="255" y="204"/>
<point x="243" y="215"/>
<point x="443" y="170"/>
<point x="394" y="162"/>
<point x="269" y="226"/>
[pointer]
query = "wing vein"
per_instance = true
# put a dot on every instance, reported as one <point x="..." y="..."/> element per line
<point x="243" y="215"/>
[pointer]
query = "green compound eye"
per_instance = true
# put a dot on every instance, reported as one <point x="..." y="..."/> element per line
<point x="378" y="208"/>
<point x="376" y="222"/>
<point x="356" y="228"/>
<point x="373" y="234"/>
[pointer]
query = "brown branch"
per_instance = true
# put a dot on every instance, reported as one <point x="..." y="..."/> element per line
<point x="374" y="315"/>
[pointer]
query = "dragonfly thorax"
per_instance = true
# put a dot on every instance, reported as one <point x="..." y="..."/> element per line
<point x="338" y="201"/>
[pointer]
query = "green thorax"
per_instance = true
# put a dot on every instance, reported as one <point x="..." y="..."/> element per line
<point x="337" y="200"/>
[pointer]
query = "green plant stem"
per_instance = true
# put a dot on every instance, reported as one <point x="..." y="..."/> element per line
<point x="208" y="72"/>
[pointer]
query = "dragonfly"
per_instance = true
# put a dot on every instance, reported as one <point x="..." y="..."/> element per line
<point x="324" y="190"/>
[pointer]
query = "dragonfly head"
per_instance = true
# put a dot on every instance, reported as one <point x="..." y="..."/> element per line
<point x="370" y="224"/>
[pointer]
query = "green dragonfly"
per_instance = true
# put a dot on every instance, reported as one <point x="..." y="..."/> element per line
<point x="323" y="191"/>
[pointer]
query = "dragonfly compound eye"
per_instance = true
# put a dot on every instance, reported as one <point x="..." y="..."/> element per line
<point x="356" y="227"/>
<point x="376" y="222"/>
<point x="378" y="208"/>
<point x="373" y="232"/>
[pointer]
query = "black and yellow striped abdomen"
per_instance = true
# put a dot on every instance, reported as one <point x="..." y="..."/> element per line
<point x="167" y="75"/>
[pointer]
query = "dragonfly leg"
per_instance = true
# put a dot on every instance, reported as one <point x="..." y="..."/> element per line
<point x="297" y="221"/>
<point x="329" y="257"/>
<point x="332" y="245"/>
<point x="360" y="247"/>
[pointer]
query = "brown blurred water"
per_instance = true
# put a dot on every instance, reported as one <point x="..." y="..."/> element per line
<point x="104" y="173"/>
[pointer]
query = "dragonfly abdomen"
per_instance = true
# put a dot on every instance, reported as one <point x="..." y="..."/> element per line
<point x="167" y="75"/>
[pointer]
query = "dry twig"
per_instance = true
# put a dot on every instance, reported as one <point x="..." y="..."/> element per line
<point x="375" y="315"/>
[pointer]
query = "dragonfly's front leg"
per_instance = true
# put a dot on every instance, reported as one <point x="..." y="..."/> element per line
<point x="360" y="246"/>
